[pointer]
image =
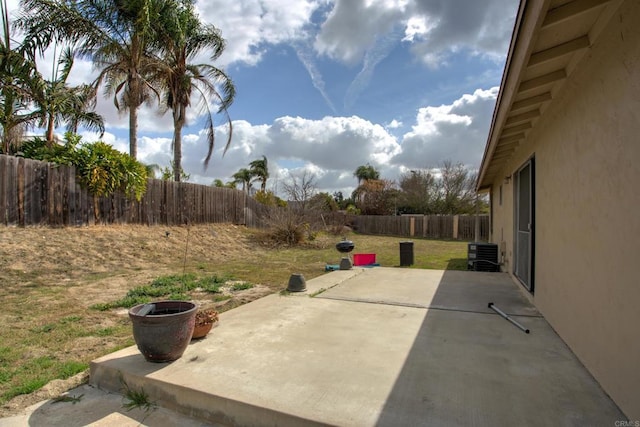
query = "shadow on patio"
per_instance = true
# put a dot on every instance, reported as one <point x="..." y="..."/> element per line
<point x="470" y="366"/>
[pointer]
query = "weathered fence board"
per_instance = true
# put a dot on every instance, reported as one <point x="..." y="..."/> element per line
<point x="39" y="193"/>
<point x="460" y="227"/>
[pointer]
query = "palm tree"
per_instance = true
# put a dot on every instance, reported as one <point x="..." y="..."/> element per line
<point x="18" y="78"/>
<point x="183" y="37"/>
<point x="218" y="183"/>
<point x="260" y="170"/>
<point x="366" y="173"/>
<point x="59" y="102"/>
<point x="117" y="35"/>
<point x="243" y="176"/>
<point x="153" y="170"/>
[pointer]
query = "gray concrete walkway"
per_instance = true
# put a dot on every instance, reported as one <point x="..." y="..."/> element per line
<point x="372" y="347"/>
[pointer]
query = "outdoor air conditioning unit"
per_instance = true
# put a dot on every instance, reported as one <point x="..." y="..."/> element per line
<point x="482" y="257"/>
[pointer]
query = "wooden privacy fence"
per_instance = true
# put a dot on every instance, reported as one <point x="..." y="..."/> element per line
<point x="457" y="227"/>
<point x="40" y="193"/>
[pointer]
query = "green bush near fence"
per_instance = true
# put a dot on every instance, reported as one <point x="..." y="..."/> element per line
<point x="99" y="167"/>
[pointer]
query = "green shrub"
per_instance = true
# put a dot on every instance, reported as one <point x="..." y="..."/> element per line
<point x="104" y="170"/>
<point x="269" y="199"/>
<point x="99" y="167"/>
<point x="38" y="149"/>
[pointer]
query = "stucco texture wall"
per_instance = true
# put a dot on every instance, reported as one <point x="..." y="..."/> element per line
<point x="587" y="215"/>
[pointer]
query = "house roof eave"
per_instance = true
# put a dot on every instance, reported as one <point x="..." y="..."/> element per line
<point x="549" y="41"/>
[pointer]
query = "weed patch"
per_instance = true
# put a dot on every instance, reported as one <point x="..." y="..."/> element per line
<point x="67" y="399"/>
<point x="26" y="387"/>
<point x="136" y="399"/>
<point x="105" y="332"/>
<point x="242" y="286"/>
<point x="170" y="287"/>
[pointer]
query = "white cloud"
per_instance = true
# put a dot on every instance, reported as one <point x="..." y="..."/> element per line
<point x="353" y="26"/>
<point x="435" y="28"/>
<point x="109" y="138"/>
<point x="440" y="28"/>
<point x="367" y="31"/>
<point x="331" y="148"/>
<point x="431" y="119"/>
<point x="306" y="57"/>
<point x="248" y="144"/>
<point x="82" y="72"/>
<point x="373" y="56"/>
<point x="247" y="25"/>
<point x="456" y="132"/>
<point x="333" y="142"/>
<point x="416" y="27"/>
<point x="394" y="124"/>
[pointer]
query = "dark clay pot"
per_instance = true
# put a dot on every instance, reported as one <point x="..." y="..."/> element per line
<point x="163" y="334"/>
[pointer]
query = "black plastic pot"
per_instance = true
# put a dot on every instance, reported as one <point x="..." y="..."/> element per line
<point x="162" y="330"/>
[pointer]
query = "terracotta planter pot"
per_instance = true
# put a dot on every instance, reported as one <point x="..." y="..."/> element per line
<point x="205" y="320"/>
<point x="164" y="332"/>
<point x="201" y="331"/>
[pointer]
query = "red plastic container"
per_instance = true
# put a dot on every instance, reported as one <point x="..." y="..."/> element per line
<point x="364" y="259"/>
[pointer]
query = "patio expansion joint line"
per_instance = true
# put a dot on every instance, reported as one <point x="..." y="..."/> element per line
<point x="322" y="289"/>
<point x="421" y="306"/>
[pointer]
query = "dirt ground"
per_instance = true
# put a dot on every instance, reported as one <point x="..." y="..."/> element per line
<point x="64" y="271"/>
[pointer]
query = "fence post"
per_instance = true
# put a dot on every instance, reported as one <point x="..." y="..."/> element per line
<point x="456" y="222"/>
<point x="425" y="228"/>
<point x="412" y="226"/>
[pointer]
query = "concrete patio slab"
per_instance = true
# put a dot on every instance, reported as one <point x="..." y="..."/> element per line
<point x="373" y="347"/>
<point x="437" y="289"/>
<point x="286" y="361"/>
<point x="382" y="347"/>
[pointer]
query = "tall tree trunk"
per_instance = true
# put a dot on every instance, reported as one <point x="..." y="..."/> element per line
<point x="8" y="124"/>
<point x="133" y="131"/>
<point x="134" y="96"/>
<point x="50" y="130"/>
<point x="178" y="123"/>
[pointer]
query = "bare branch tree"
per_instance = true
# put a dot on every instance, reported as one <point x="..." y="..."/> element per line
<point x="300" y="189"/>
<point x="299" y="220"/>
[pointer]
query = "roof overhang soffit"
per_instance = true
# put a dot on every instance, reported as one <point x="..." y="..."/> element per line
<point x="550" y="38"/>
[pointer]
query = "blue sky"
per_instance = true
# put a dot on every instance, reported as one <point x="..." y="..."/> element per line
<point x="325" y="86"/>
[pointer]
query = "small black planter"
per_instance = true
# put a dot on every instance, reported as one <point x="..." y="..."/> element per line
<point x="164" y="332"/>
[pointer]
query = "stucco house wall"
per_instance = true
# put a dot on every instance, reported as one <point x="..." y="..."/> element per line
<point x="587" y="210"/>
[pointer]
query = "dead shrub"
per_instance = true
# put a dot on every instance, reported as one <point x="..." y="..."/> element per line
<point x="291" y="226"/>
